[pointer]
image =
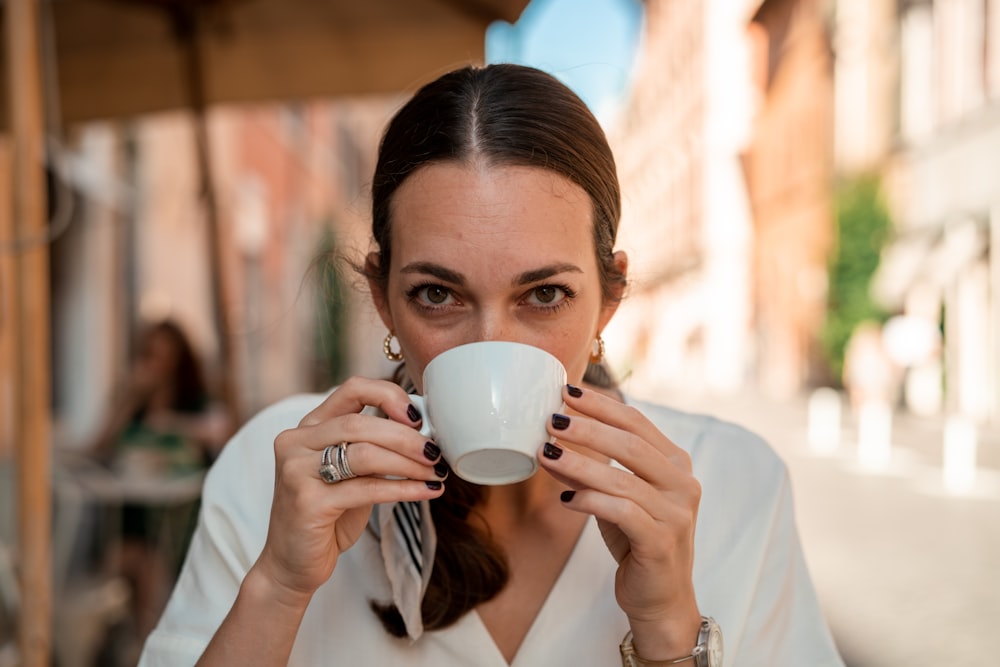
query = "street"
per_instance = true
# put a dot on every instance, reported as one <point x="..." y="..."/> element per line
<point x="907" y="571"/>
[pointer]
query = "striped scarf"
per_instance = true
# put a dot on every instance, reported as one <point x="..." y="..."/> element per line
<point x="408" y="540"/>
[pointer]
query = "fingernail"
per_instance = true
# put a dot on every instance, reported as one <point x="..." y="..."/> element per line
<point x="567" y="496"/>
<point x="433" y="486"/>
<point x="413" y="413"/>
<point x="441" y="469"/>
<point x="431" y="451"/>
<point x="574" y="391"/>
<point x="551" y="451"/>
<point x="560" y="422"/>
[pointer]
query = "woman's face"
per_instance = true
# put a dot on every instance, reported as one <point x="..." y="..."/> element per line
<point x="493" y="253"/>
<point x="159" y="357"/>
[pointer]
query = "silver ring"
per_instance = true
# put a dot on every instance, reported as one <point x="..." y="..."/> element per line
<point x="327" y="459"/>
<point x="333" y="466"/>
<point x="328" y="470"/>
<point x="329" y="474"/>
<point x="342" y="465"/>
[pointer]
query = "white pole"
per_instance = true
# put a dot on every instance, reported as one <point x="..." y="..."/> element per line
<point x="874" y="436"/>
<point x="960" y="444"/>
<point x="994" y="315"/>
<point x="824" y="420"/>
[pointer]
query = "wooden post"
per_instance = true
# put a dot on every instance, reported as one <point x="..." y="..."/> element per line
<point x="994" y="314"/>
<point x="186" y="26"/>
<point x="31" y="318"/>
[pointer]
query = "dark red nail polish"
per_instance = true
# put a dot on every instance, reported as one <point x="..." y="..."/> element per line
<point x="413" y="413"/>
<point x="433" y="486"/>
<point x="551" y="451"/>
<point x="574" y="391"/>
<point x="441" y="469"/>
<point x="567" y="496"/>
<point x="431" y="451"/>
<point x="560" y="422"/>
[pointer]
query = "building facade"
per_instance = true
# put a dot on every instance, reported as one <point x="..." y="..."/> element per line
<point x="941" y="183"/>
<point x="789" y="173"/>
<point x="724" y="155"/>
<point x="686" y="220"/>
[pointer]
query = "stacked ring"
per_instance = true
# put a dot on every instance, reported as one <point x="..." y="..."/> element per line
<point x="334" y="466"/>
<point x="342" y="466"/>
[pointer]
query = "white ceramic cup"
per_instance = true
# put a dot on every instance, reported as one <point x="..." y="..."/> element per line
<point x="486" y="405"/>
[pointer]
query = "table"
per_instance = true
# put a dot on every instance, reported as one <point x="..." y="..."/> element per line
<point x="88" y="503"/>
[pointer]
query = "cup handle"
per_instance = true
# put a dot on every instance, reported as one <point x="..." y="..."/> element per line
<point x="426" y="428"/>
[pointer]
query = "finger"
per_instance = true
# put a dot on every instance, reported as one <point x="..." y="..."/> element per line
<point x="357" y="393"/>
<point x="355" y="427"/>
<point x="300" y="480"/>
<point x="581" y="472"/>
<point x="654" y="522"/>
<point x="633" y="452"/>
<point x="629" y="449"/>
<point x="364" y="491"/>
<point x="366" y="458"/>
<point x="318" y="505"/>
<point x="647" y="538"/>
<point x="568" y="482"/>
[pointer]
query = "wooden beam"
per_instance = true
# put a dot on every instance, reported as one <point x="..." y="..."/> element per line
<point x="32" y="360"/>
<point x="308" y="64"/>
<point x="194" y="61"/>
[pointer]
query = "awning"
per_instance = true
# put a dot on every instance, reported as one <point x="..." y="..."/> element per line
<point x="113" y="58"/>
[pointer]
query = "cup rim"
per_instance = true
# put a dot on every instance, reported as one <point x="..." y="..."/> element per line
<point x="493" y="343"/>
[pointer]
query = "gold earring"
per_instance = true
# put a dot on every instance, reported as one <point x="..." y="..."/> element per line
<point x="387" y="348"/>
<point x="597" y="350"/>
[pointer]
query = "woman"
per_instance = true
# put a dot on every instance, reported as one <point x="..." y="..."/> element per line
<point x="164" y="409"/>
<point x="495" y="208"/>
<point x="162" y="424"/>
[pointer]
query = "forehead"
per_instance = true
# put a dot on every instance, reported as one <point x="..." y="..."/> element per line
<point x="491" y="213"/>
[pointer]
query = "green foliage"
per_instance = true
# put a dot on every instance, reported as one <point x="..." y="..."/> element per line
<point x="862" y="229"/>
<point x="329" y="334"/>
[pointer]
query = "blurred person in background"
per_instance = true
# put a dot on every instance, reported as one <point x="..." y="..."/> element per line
<point x="495" y="207"/>
<point x="162" y="423"/>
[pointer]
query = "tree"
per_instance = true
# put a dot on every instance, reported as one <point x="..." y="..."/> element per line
<point x="862" y="228"/>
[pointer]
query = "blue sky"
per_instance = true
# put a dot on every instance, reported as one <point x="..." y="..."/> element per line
<point x="589" y="44"/>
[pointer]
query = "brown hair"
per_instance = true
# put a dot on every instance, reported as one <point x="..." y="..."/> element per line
<point x="504" y="115"/>
<point x="187" y="378"/>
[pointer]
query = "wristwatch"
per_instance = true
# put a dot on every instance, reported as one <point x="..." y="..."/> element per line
<point x="706" y="653"/>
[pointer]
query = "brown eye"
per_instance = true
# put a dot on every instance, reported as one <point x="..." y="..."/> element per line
<point x="546" y="294"/>
<point x="432" y="296"/>
<point x="437" y="295"/>
<point x="548" y="297"/>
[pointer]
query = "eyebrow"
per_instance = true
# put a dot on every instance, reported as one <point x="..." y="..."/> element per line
<point x="456" y="278"/>
<point x="544" y="272"/>
<point x="436" y="270"/>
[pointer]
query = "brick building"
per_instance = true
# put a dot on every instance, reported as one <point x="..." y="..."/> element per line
<point x="941" y="184"/>
<point x="789" y="173"/>
<point x="724" y="154"/>
<point x="686" y="220"/>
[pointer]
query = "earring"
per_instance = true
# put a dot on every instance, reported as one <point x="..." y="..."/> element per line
<point x="387" y="348"/>
<point x="597" y="350"/>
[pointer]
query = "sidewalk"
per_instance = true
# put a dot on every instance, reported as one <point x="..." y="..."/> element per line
<point x="908" y="573"/>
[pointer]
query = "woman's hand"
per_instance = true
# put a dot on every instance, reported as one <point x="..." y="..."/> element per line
<point x="313" y="522"/>
<point x="647" y="518"/>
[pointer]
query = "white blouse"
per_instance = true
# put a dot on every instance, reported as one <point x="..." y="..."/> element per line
<point x="749" y="571"/>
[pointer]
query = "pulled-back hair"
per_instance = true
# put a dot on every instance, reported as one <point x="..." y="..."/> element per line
<point x="501" y="115"/>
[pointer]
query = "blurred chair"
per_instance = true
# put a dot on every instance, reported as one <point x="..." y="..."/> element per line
<point x="9" y="591"/>
<point x="9" y="605"/>
<point x="90" y="602"/>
